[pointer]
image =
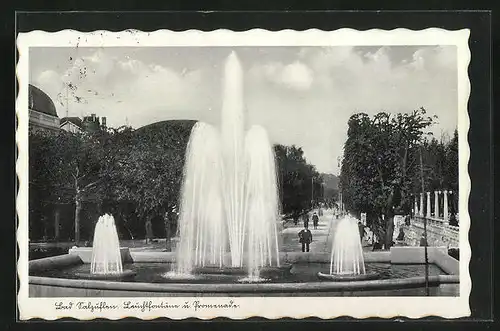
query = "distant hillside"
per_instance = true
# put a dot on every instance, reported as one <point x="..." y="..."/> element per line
<point x="331" y="184"/>
<point x="331" y="181"/>
<point x="168" y="124"/>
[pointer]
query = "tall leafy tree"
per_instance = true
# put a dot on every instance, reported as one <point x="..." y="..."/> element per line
<point x="151" y="173"/>
<point x="69" y="168"/>
<point x="378" y="166"/>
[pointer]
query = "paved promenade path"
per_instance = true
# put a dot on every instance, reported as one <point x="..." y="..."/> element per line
<point x="288" y="237"/>
<point x="322" y="236"/>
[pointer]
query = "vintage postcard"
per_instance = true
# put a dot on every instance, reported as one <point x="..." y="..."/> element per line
<point x="241" y="174"/>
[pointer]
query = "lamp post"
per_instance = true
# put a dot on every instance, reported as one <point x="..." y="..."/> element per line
<point x="426" y="256"/>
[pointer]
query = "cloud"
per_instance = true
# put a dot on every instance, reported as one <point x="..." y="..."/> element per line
<point x="349" y="80"/>
<point x="303" y="96"/>
<point x="438" y="58"/>
<point x="122" y="88"/>
<point x="295" y="76"/>
<point x="372" y="81"/>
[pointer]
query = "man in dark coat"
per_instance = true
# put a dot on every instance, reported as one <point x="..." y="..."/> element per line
<point x="305" y="238"/>
<point x="315" y="219"/>
<point x="306" y="220"/>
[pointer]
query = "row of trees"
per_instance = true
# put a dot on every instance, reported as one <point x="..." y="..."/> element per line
<point x="389" y="158"/>
<point x="134" y="174"/>
<point x="298" y="181"/>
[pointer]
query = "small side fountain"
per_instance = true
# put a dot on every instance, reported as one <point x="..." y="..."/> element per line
<point x="106" y="257"/>
<point x="347" y="262"/>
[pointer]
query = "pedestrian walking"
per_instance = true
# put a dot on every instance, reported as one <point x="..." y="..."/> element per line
<point x="315" y="219"/>
<point x="305" y="238"/>
<point x="306" y="220"/>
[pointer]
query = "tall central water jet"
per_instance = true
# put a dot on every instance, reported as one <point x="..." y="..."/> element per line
<point x="229" y="198"/>
<point x="232" y="127"/>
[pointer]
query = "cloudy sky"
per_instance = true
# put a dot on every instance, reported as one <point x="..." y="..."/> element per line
<point x="301" y="95"/>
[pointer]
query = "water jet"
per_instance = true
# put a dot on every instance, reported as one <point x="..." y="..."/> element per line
<point x="347" y="262"/>
<point x="229" y="198"/>
<point x="106" y="256"/>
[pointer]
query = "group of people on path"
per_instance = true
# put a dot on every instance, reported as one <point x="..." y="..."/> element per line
<point x="305" y="235"/>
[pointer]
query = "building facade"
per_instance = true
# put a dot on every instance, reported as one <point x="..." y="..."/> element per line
<point x="90" y="123"/>
<point x="42" y="111"/>
<point x="71" y="124"/>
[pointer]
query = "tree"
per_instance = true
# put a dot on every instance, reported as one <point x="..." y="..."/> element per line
<point x="68" y="168"/>
<point x="378" y="167"/>
<point x="440" y="166"/>
<point x="298" y="180"/>
<point x="151" y="172"/>
<point x="63" y="169"/>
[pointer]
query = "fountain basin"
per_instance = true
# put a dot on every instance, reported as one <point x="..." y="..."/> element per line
<point x="348" y="278"/>
<point x="221" y="271"/>
<point x="51" y="277"/>
<point x="440" y="285"/>
<point x="126" y="274"/>
<point x="242" y="270"/>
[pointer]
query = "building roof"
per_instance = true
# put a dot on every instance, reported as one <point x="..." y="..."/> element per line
<point x="40" y="101"/>
<point x="75" y="120"/>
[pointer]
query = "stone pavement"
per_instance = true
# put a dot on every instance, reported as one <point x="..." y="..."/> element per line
<point x="322" y="236"/>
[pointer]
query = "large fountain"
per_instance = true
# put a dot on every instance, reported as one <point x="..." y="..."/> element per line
<point x="347" y="262"/>
<point x="229" y="205"/>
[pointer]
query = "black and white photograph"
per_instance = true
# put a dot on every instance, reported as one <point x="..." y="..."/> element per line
<point x="238" y="174"/>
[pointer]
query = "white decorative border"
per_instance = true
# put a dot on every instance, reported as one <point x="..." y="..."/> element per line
<point x="268" y="307"/>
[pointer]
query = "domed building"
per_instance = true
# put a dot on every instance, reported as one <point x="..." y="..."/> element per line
<point x="42" y="111"/>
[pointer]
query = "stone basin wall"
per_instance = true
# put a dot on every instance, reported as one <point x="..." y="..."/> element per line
<point x="442" y="285"/>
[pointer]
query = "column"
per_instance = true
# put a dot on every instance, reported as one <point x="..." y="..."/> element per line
<point x="428" y="210"/>
<point x="421" y="205"/>
<point x="436" y="203"/>
<point x="445" y="206"/>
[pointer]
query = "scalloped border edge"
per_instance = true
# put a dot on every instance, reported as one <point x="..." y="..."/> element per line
<point x="411" y="307"/>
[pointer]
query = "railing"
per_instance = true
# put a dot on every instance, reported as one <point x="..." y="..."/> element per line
<point x="440" y="222"/>
<point x="438" y="228"/>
